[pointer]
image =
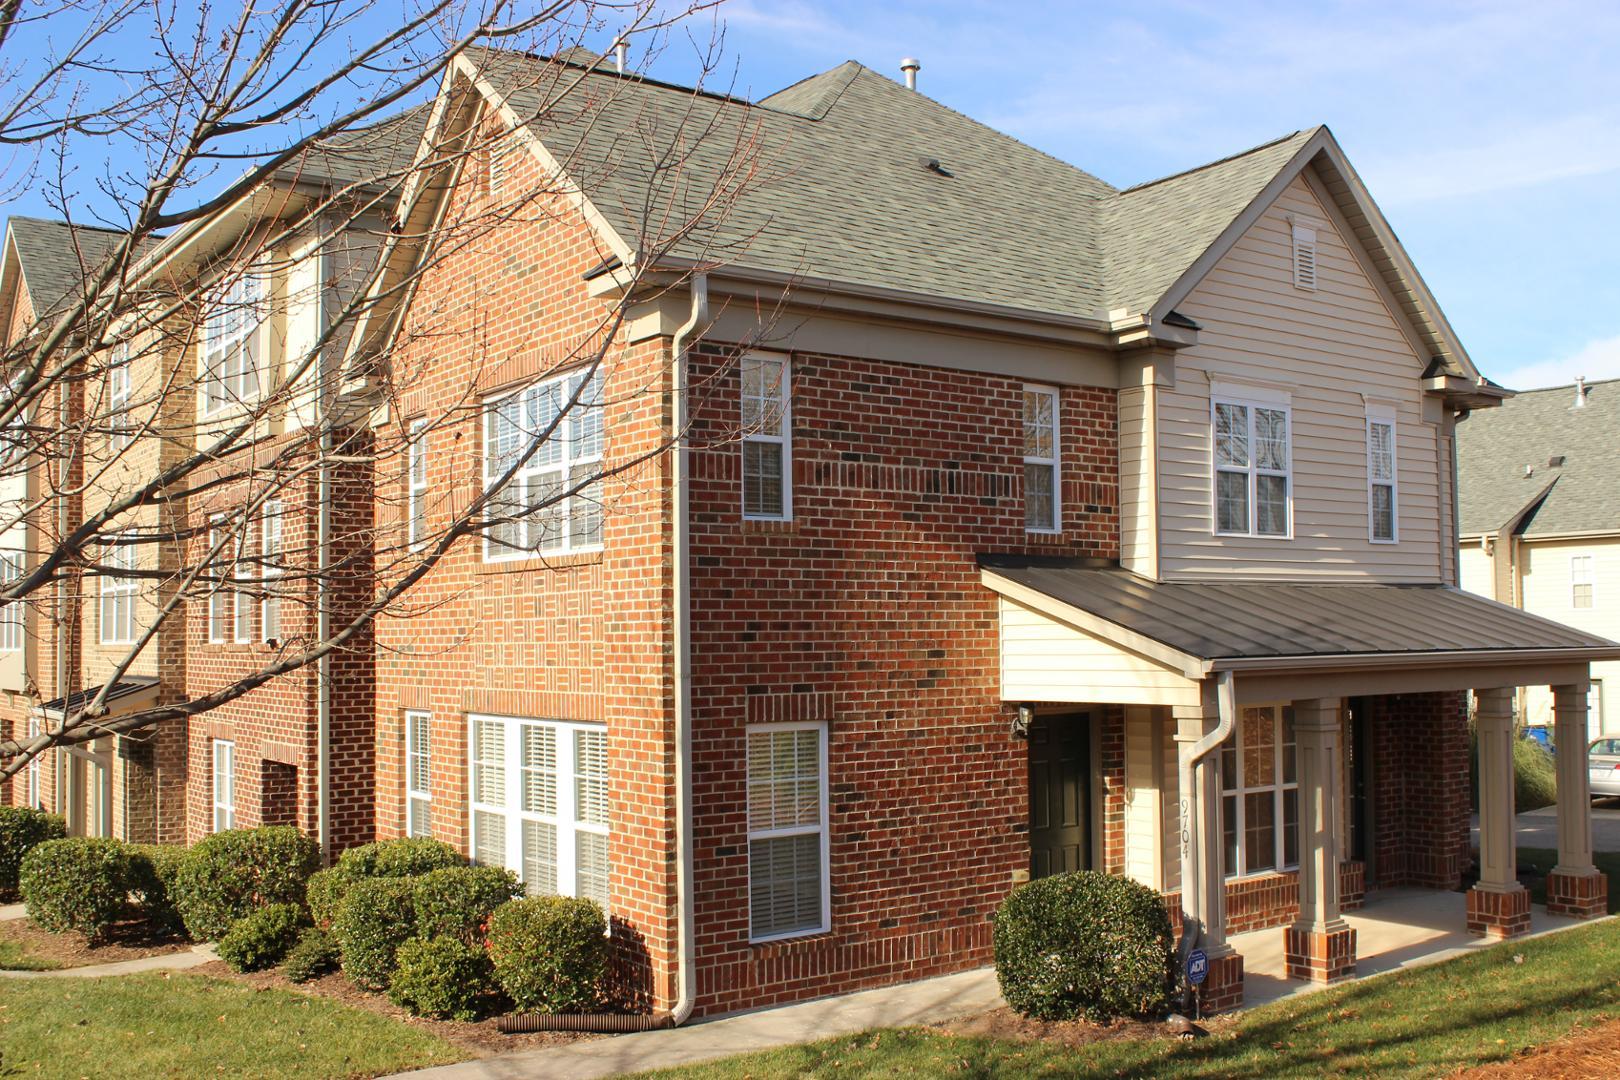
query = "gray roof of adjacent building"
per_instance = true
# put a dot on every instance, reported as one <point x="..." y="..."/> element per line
<point x="54" y="257"/>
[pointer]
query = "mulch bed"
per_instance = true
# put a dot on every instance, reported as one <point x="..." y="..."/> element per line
<point x="480" y="1037"/>
<point x="126" y="941"/>
<point x="1003" y="1023"/>
<point x="1593" y="1052"/>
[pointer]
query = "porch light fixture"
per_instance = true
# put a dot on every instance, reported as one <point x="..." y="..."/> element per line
<point x="1021" y="722"/>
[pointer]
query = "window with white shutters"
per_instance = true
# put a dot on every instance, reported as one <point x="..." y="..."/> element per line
<point x="767" y="437"/>
<point x="418" y="774"/>
<point x="1253" y="478"/>
<point x="788" y="884"/>
<point x="562" y="418"/>
<point x="224" y="785"/>
<point x="1041" y="473"/>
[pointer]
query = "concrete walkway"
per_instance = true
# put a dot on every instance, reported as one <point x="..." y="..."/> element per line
<point x="929" y="1001"/>
<point x="9" y="912"/>
<point x="196" y="956"/>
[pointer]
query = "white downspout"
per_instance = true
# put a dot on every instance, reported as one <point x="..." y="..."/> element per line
<point x="323" y="613"/>
<point x="686" y="992"/>
<point x="1192" y="882"/>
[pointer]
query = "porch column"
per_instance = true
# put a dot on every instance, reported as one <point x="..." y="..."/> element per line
<point x="1320" y="946"/>
<point x="1498" y="906"/>
<point x="1203" y="896"/>
<point x="1575" y="887"/>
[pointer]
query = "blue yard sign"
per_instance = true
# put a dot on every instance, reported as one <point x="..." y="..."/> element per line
<point x="1197" y="966"/>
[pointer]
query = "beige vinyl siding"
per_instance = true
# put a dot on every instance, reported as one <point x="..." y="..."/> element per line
<point x="1546" y="587"/>
<point x="1048" y="661"/>
<point x="1332" y="351"/>
<point x="1144" y="763"/>
<point x="1138" y="478"/>
<point x="1475" y="570"/>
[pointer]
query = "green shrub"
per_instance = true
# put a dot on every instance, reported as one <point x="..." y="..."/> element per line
<point x="457" y="901"/>
<point x="550" y="953"/>
<point x="315" y="954"/>
<point x="78" y="883"/>
<point x="371" y="924"/>
<point x="152" y="871"/>
<point x="405" y="857"/>
<point x="261" y="938"/>
<point x="229" y="874"/>
<point x="442" y="978"/>
<point x="324" y="892"/>
<point x="21" y="830"/>
<point x="1535" y="776"/>
<point x="1084" y="944"/>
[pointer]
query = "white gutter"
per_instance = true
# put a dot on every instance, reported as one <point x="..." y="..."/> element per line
<point x="1192" y="882"/>
<point x="685" y="946"/>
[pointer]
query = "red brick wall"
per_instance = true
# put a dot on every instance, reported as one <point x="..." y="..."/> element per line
<point x="1420" y="788"/>
<point x="867" y="611"/>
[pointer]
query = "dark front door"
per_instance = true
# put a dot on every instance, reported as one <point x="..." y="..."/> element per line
<point x="1059" y="794"/>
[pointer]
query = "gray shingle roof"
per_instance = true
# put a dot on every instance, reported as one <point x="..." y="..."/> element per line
<point x="380" y="152"/>
<point x="1495" y="445"/>
<point x="55" y="256"/>
<point x="837" y="187"/>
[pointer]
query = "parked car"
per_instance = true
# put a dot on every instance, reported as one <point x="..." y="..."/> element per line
<point x="1603" y="766"/>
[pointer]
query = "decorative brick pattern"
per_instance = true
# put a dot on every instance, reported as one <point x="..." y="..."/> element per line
<point x="1318" y="956"/>
<point x="1578" y="896"/>
<point x="1498" y="915"/>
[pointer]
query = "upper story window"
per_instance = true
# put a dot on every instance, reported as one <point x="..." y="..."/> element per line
<point x="118" y="589"/>
<point x="767" y="437"/>
<point x="11" y="612"/>
<point x="1382" y="504"/>
<point x="1581" y="583"/>
<point x="119" y="432"/>
<point x="218" y="599"/>
<point x="416" y="485"/>
<point x="560" y="418"/>
<point x="231" y="344"/>
<point x="270" y="519"/>
<point x="1041" y="474"/>
<point x="1253" y="484"/>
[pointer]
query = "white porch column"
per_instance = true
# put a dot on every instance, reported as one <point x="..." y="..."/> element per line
<point x="1203" y="897"/>
<point x="1320" y="946"/>
<point x="1498" y="906"/>
<point x="1575" y="887"/>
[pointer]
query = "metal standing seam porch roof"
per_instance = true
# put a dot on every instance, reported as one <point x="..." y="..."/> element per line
<point x="1258" y="621"/>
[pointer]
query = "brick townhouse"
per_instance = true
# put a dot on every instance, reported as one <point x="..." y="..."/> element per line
<point x="1014" y="523"/>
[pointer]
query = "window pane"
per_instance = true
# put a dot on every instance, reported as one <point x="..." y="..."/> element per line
<point x="1259" y="748"/>
<point x="540" y="858"/>
<point x="1039" y="504"/>
<point x="1383" y="512"/>
<point x="784" y="887"/>
<point x="590" y="777"/>
<point x="762" y="396"/>
<point x="1290" y="756"/>
<point x="1583" y="596"/>
<point x="1381" y="451"/>
<point x="489" y="762"/>
<point x="1232" y="502"/>
<point x="546" y="509"/>
<point x="1229" y="835"/>
<point x="1271" y="439"/>
<point x="1232" y="435"/>
<point x="585" y="523"/>
<point x="1259" y="831"/>
<point x="489" y="838"/>
<point x="1291" y="828"/>
<point x="543" y="423"/>
<point x="539" y="787"/>
<point x="585" y="419"/>
<point x="784" y="783"/>
<point x="762" y="479"/>
<point x="591" y="867"/>
<point x="418" y="764"/>
<point x="1229" y="772"/>
<point x="1271" y="505"/>
<point x="1039" y="425"/>
<point x="419" y="810"/>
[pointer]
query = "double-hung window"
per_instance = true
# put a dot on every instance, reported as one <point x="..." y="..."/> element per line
<point x="1041" y="473"/>
<point x="418" y="773"/>
<point x="416" y="485"/>
<point x="561" y="420"/>
<point x="540" y="803"/>
<point x="1260" y="793"/>
<point x="1252" y="468"/>
<point x="11" y="611"/>
<point x="789" y="891"/>
<point x="119" y="587"/>
<point x="1581" y="584"/>
<point x="119" y="432"/>
<point x="1383" y="522"/>
<point x="231" y="349"/>
<point x="219" y="609"/>
<point x="243" y="599"/>
<point x="270" y="571"/>
<point x="224" y="785"/>
<point x="767" y="437"/>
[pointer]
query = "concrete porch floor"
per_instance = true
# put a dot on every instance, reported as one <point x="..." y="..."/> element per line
<point x="1398" y="928"/>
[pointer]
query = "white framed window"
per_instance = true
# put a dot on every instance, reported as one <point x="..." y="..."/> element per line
<point x="231" y="343"/>
<point x="1042" y="476"/>
<point x="119" y="589"/>
<point x="224" y="785"/>
<point x="119" y="432"/>
<point x="219" y="610"/>
<point x="243" y="600"/>
<point x="418" y="773"/>
<point x="271" y="569"/>
<point x="789" y="884"/>
<point x="528" y="512"/>
<point x="1260" y="793"/>
<point x="416" y="485"/>
<point x="1383" y="503"/>
<point x="1582" y="585"/>
<point x="767" y="437"/>
<point x="34" y="765"/>
<point x="1304" y="257"/>
<point x="540" y="803"/>
<point x="1253" y="460"/>
<point x="11" y="612"/>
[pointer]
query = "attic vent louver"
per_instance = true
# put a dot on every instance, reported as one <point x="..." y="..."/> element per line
<point x="1304" y="258"/>
<point x="932" y="165"/>
<point x="1556" y="461"/>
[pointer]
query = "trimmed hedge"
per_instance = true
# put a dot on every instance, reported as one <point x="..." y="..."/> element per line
<point x="457" y="901"/>
<point x="315" y="954"/>
<point x="441" y="978"/>
<point x="324" y="893"/>
<point x="405" y="857"/>
<point x="261" y="938"/>
<point x="374" y="920"/>
<point x="1084" y="944"/>
<point x="79" y="883"/>
<point x="550" y="953"/>
<point x="152" y="871"/>
<point x="229" y="874"/>
<point x="22" y="830"/>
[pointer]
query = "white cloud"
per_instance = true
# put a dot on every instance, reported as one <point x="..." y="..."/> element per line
<point x="1598" y="359"/>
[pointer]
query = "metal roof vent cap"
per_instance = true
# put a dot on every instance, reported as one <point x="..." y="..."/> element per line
<point x="1580" y="392"/>
<point x="910" y="66"/>
<point x="621" y="54"/>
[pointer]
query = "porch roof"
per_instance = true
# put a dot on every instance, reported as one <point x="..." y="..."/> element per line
<point x="1262" y="624"/>
<point x="121" y="695"/>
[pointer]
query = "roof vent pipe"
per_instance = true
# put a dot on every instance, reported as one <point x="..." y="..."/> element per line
<point x="1580" y="392"/>
<point x="621" y="55"/>
<point x="910" y="67"/>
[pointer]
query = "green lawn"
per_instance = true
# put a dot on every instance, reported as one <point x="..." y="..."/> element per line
<point x="14" y="957"/>
<point x="1544" y="859"/>
<point x="153" y="1026"/>
<point x="1428" y="1022"/>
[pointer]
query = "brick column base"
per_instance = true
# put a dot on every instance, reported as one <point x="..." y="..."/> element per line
<point x="1579" y="896"/>
<point x="1498" y="915"/>
<point x="1320" y="956"/>
<point x="1222" y="989"/>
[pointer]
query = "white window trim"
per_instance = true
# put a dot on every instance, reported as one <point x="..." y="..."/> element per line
<point x="1379" y="415"/>
<point x="1278" y="788"/>
<point x="271" y="570"/>
<point x="224" y="809"/>
<point x="564" y="820"/>
<point x="118" y="393"/>
<point x="243" y="603"/>
<point x="495" y="551"/>
<point x="218" y="600"/>
<point x="1270" y="402"/>
<point x="416" y="484"/>
<point x="11" y="613"/>
<point x="785" y="439"/>
<point x="1055" y="461"/>
<point x="1586" y="575"/>
<point x="33" y="765"/>
<point x="825" y="925"/>
<point x="231" y="357"/>
<point x="118" y="627"/>
<point x="415" y="796"/>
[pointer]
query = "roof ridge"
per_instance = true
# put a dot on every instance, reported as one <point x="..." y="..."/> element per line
<point x="1570" y="385"/>
<point x="1218" y="161"/>
<point x="59" y="222"/>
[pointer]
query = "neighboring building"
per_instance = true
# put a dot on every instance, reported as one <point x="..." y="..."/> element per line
<point x="1538" y="494"/>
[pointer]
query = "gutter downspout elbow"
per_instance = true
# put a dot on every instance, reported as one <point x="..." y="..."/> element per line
<point x="1194" y="903"/>
<point x="680" y="500"/>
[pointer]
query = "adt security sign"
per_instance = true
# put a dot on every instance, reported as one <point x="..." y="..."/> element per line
<point x="1197" y="967"/>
